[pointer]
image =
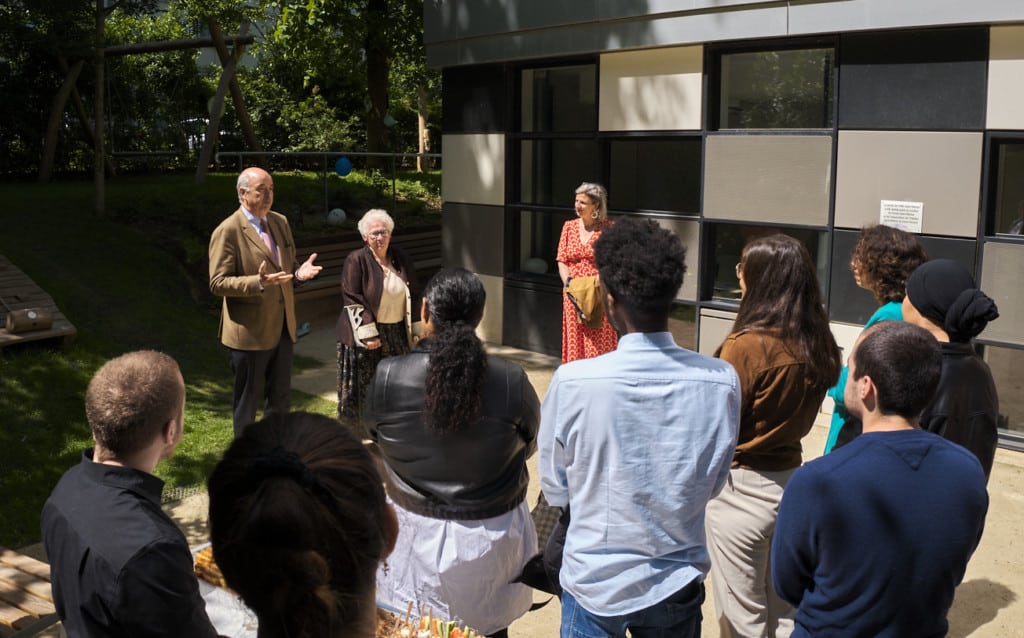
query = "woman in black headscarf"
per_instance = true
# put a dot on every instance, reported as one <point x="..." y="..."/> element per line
<point x="943" y="299"/>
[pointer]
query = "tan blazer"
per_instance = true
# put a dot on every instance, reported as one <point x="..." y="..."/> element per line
<point x="252" y="319"/>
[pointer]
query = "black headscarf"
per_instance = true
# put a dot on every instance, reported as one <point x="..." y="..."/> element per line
<point x="944" y="292"/>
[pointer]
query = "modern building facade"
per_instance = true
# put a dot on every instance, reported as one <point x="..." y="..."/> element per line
<point x="730" y="118"/>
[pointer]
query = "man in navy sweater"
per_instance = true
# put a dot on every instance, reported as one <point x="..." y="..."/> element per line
<point x="873" y="539"/>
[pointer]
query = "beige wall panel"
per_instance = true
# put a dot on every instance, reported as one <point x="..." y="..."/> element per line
<point x="1006" y="78"/>
<point x="1001" y="271"/>
<point x="689" y="234"/>
<point x="768" y="178"/>
<point x="651" y="90"/>
<point x="490" y="326"/>
<point x="474" y="168"/>
<point x="942" y="170"/>
<point x="715" y="326"/>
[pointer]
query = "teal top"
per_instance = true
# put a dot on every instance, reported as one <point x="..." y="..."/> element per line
<point x="891" y="311"/>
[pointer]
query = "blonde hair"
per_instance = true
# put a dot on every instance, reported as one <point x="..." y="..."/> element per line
<point x="598" y="196"/>
<point x="375" y="215"/>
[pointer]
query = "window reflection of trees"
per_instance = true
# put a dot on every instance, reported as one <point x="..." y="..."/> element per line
<point x="787" y="89"/>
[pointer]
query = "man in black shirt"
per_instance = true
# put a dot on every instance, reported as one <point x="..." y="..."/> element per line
<point x="120" y="566"/>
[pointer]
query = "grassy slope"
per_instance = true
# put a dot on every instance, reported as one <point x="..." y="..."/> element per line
<point x="132" y="280"/>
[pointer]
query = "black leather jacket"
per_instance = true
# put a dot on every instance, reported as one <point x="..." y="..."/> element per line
<point x="966" y="407"/>
<point x="469" y="475"/>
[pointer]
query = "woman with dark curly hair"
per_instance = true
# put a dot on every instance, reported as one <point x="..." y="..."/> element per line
<point x="881" y="262"/>
<point x="786" y="358"/>
<point x="299" y="524"/>
<point x="455" y="426"/>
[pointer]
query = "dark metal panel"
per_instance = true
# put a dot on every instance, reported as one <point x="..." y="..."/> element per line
<point x="532" y="317"/>
<point x="472" y="237"/>
<point x="473" y="99"/>
<point x="927" y="79"/>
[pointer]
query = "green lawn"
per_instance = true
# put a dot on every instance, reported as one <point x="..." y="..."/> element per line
<point x="133" y="279"/>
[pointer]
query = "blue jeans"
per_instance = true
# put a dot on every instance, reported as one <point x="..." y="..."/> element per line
<point x="678" y="616"/>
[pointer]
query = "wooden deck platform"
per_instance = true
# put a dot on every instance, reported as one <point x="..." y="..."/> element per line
<point x="18" y="291"/>
<point x="26" y="602"/>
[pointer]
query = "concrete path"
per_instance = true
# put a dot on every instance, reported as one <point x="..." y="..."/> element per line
<point x="988" y="604"/>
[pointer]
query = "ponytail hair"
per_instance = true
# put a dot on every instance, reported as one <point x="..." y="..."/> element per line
<point x="298" y="524"/>
<point x="455" y="376"/>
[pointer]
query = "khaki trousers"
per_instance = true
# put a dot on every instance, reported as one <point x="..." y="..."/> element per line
<point x="740" y="523"/>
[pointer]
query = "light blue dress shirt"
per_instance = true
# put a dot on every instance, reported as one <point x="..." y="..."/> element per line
<point x="636" y="442"/>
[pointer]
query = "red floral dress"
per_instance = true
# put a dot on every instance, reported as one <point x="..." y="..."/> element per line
<point x="580" y="341"/>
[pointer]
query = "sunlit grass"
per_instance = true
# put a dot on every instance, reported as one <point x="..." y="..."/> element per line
<point x="134" y="279"/>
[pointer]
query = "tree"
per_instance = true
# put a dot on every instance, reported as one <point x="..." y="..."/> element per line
<point x="372" y="35"/>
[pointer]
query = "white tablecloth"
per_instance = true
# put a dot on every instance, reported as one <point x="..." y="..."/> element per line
<point x="229" y="615"/>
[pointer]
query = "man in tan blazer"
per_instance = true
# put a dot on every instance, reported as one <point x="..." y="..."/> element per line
<point x="252" y="263"/>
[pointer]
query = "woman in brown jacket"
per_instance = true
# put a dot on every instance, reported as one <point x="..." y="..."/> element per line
<point x="380" y="312"/>
<point x="786" y="358"/>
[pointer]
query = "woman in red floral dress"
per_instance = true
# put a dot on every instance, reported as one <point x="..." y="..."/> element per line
<point x="576" y="259"/>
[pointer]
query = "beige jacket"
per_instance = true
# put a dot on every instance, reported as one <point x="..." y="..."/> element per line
<point x="251" y="318"/>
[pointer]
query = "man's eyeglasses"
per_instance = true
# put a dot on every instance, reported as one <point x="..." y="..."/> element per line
<point x="380" y="233"/>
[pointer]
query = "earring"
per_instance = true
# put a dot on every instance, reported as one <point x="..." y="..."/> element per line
<point x="385" y="567"/>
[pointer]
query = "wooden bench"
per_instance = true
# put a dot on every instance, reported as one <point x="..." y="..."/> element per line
<point x="19" y="292"/>
<point x="422" y="246"/>
<point x="26" y="602"/>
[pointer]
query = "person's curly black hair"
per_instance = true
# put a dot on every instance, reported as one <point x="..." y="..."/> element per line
<point x="458" y="363"/>
<point x="641" y="264"/>
<point x="885" y="257"/>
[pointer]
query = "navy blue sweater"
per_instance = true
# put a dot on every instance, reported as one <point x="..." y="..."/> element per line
<point x="873" y="539"/>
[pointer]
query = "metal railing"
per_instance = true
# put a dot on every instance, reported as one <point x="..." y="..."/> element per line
<point x="327" y="157"/>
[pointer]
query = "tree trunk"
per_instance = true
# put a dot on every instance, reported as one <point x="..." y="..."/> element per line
<point x="213" y="126"/>
<point x="83" y="117"/>
<point x="422" y="163"/>
<point x="236" y="91"/>
<point x="99" y="153"/>
<point x="377" y="70"/>
<point x="53" y="126"/>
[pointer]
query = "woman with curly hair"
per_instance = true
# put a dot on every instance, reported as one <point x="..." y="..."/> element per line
<point x="881" y="261"/>
<point x="786" y="358"/>
<point x="455" y="426"/>
<point x="299" y="524"/>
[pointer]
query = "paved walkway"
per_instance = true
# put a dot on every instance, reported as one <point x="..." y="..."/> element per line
<point x="988" y="604"/>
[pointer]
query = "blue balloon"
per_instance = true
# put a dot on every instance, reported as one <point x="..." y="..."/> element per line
<point x="343" y="166"/>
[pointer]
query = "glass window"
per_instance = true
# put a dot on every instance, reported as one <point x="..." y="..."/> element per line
<point x="786" y="89"/>
<point x="1008" y="218"/>
<point x="550" y="170"/>
<point x="539" y="233"/>
<point x="682" y="323"/>
<point x="661" y="175"/>
<point x="562" y="98"/>
<point x="1006" y="364"/>
<point x="724" y="244"/>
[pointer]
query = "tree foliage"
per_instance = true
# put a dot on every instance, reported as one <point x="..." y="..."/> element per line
<point x="322" y="75"/>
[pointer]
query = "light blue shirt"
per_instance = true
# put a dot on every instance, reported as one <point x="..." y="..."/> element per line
<point x="636" y="442"/>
